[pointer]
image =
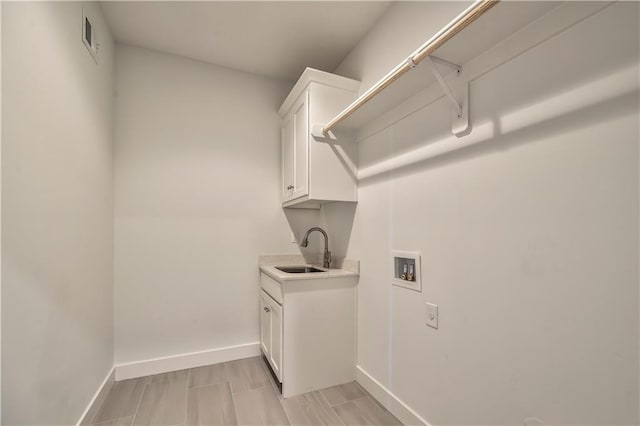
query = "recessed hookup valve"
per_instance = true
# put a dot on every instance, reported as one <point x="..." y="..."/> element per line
<point x="404" y="272"/>
<point x="411" y="276"/>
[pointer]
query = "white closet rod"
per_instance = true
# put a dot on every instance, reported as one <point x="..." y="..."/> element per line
<point x="460" y="22"/>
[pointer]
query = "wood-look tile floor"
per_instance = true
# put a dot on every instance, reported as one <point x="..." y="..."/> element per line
<point x="233" y="393"/>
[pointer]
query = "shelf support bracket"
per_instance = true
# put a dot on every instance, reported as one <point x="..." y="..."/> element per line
<point x="456" y="67"/>
<point x="445" y="87"/>
<point x="460" y="125"/>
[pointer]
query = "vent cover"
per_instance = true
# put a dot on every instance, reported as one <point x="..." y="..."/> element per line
<point x="89" y="37"/>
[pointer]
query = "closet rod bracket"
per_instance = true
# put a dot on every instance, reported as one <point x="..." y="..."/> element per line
<point x="443" y="83"/>
<point x="457" y="67"/>
<point x="460" y="125"/>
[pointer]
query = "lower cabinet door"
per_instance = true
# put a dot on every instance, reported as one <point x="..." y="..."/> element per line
<point x="276" y="338"/>
<point x="265" y="324"/>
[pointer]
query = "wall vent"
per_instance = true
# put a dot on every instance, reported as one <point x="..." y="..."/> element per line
<point x="89" y="36"/>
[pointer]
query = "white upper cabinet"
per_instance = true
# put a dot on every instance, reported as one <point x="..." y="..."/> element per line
<point x="315" y="172"/>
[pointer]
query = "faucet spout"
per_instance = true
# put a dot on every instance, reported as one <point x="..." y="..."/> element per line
<point x="327" y="254"/>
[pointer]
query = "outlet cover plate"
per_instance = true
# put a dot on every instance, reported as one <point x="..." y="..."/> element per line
<point x="432" y="315"/>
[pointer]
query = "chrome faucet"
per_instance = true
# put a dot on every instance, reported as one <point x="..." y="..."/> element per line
<point x="327" y="254"/>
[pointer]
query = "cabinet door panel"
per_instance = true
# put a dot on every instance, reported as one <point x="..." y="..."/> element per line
<point x="301" y="146"/>
<point x="288" y="151"/>
<point x="265" y="324"/>
<point x="276" y="339"/>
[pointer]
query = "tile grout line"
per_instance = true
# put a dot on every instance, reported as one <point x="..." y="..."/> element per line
<point x="272" y="383"/>
<point x="377" y="403"/>
<point x="367" y="413"/>
<point x="207" y="385"/>
<point x="233" y="402"/>
<point x="284" y="409"/>
<point x="331" y="407"/>
<point x="95" y="416"/>
<point x="186" y="397"/>
<point x="135" y="414"/>
<point x="110" y="420"/>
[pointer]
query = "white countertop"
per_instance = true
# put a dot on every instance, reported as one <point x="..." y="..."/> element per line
<point x="267" y="264"/>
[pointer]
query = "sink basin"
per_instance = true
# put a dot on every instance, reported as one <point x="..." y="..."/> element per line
<point x="298" y="269"/>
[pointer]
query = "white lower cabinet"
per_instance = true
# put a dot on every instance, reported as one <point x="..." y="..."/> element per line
<point x="265" y="323"/>
<point x="271" y="332"/>
<point x="275" y="356"/>
<point x="308" y="331"/>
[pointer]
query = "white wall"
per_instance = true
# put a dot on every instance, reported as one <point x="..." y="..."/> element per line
<point x="197" y="184"/>
<point x="529" y="239"/>
<point x="57" y="313"/>
<point x="402" y="29"/>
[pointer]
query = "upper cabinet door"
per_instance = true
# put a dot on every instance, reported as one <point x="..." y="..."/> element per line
<point x="301" y="146"/>
<point x="288" y="149"/>
<point x="317" y="172"/>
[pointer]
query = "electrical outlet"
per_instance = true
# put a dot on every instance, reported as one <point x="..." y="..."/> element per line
<point x="432" y="315"/>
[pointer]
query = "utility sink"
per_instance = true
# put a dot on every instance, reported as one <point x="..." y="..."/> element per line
<point x="298" y="269"/>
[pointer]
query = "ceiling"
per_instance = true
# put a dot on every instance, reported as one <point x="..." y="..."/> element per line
<point x="269" y="38"/>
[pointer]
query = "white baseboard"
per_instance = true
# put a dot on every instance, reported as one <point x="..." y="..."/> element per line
<point x="98" y="399"/>
<point x="391" y="402"/>
<point x="147" y="367"/>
